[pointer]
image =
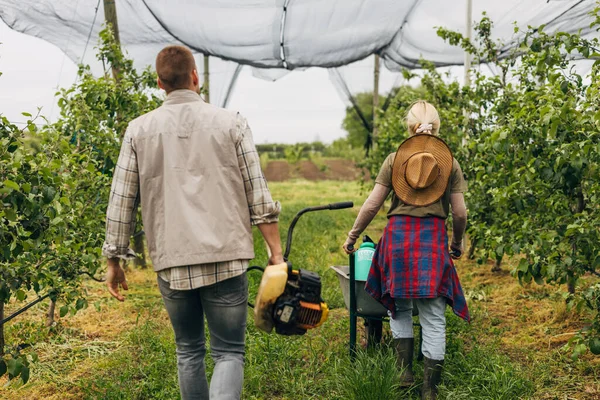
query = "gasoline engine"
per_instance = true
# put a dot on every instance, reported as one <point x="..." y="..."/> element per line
<point x="289" y="299"/>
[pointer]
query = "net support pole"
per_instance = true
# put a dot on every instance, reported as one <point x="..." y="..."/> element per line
<point x="468" y="29"/>
<point x="110" y="16"/>
<point x="206" y="86"/>
<point x="467" y="65"/>
<point x="375" y="95"/>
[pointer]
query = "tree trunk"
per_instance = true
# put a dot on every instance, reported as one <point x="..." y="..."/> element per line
<point x="138" y="247"/>
<point x="1" y="329"/>
<point x="580" y="208"/>
<point x="496" y="267"/>
<point x="471" y="252"/>
<point x="50" y="314"/>
<point x="571" y="287"/>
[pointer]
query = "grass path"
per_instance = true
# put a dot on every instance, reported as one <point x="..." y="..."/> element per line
<point x="513" y="348"/>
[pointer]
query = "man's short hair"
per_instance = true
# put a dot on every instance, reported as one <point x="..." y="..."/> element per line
<point x="174" y="66"/>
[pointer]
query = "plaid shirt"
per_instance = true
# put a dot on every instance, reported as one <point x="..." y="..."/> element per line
<point x="412" y="261"/>
<point x="124" y="198"/>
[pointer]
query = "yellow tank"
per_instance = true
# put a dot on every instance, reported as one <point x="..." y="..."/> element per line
<point x="272" y="285"/>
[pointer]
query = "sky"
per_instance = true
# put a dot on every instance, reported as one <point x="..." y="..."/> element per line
<point x="302" y="106"/>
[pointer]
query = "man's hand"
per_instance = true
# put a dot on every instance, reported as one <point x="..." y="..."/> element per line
<point x="115" y="276"/>
<point x="270" y="232"/>
<point x="276" y="259"/>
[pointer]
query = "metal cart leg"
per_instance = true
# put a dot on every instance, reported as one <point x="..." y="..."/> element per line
<point x="352" y="310"/>
<point x="352" y="335"/>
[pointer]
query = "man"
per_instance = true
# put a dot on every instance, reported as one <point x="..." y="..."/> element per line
<point x="197" y="173"/>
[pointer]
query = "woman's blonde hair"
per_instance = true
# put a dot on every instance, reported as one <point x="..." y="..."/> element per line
<point x="422" y="117"/>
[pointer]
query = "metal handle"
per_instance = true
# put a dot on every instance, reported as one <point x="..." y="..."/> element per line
<point x="339" y="206"/>
<point x="332" y="206"/>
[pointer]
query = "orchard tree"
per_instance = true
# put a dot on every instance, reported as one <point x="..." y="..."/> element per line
<point x="54" y="184"/>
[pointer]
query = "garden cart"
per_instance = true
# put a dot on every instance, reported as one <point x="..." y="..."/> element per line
<point x="360" y="304"/>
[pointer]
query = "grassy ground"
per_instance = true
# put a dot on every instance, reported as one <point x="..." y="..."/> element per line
<point x="513" y="349"/>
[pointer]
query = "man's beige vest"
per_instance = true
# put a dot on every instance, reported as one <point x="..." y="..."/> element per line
<point x="194" y="205"/>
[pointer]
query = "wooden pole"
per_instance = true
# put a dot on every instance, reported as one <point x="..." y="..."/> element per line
<point x="110" y="16"/>
<point x="375" y="95"/>
<point x="206" y="86"/>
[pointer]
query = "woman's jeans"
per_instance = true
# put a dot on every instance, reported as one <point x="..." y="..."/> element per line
<point x="433" y="324"/>
<point x="225" y="306"/>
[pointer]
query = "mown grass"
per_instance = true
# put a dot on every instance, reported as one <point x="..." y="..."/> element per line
<point x="512" y="349"/>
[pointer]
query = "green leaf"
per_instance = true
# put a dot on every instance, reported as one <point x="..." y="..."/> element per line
<point x="538" y="279"/>
<point x="10" y="184"/>
<point x="64" y="310"/>
<point x="500" y="250"/>
<point x="21" y="295"/>
<point x="10" y="214"/>
<point x="26" y="114"/>
<point x="568" y="261"/>
<point x="523" y="265"/>
<point x="56" y="221"/>
<point x="14" y="367"/>
<point x="80" y="304"/>
<point x="25" y="374"/>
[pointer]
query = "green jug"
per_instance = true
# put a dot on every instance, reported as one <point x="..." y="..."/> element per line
<point x="362" y="262"/>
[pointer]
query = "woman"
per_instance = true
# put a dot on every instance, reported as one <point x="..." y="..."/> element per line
<point x="412" y="264"/>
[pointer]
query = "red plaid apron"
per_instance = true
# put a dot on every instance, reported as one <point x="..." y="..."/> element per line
<point x="412" y="261"/>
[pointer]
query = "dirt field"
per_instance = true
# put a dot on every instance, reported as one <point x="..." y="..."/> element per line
<point x="331" y="169"/>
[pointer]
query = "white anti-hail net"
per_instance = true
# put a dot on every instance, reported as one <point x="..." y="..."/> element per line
<point x="278" y="35"/>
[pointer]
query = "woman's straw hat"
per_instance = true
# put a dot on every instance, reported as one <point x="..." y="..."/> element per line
<point x="421" y="170"/>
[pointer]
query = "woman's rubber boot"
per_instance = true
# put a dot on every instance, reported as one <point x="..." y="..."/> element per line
<point x="404" y="351"/>
<point x="432" y="376"/>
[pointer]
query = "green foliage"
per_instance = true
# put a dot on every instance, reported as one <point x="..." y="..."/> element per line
<point x="29" y="211"/>
<point x="341" y="148"/>
<point x="15" y="363"/>
<point x="293" y="154"/>
<point x="54" y="182"/>
<point x="373" y="374"/>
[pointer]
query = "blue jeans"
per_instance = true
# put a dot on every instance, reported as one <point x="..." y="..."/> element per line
<point x="433" y="324"/>
<point x="225" y="307"/>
